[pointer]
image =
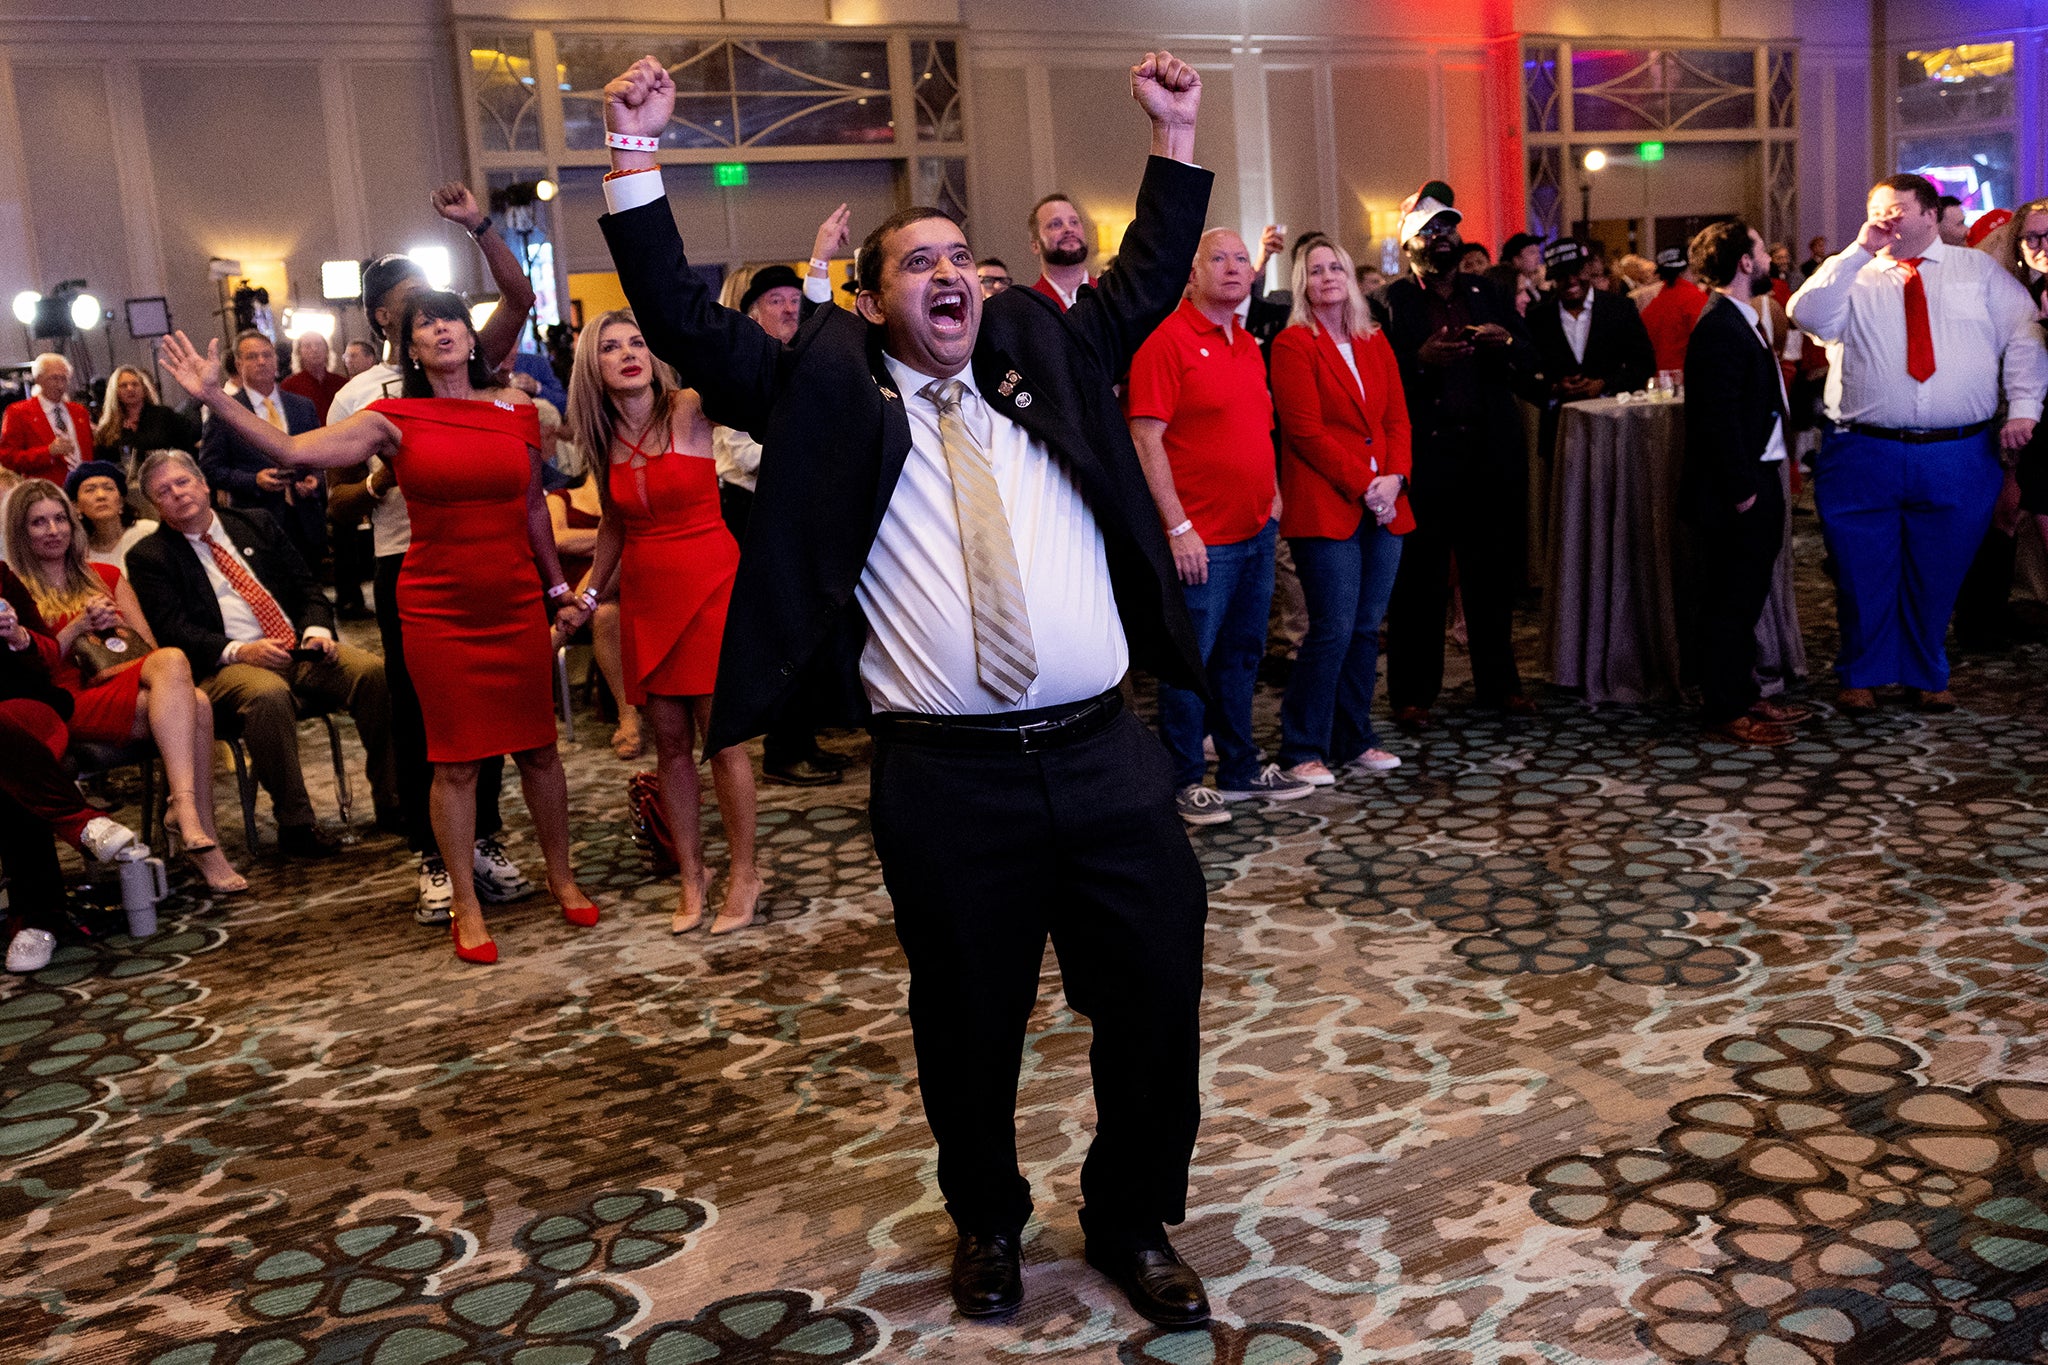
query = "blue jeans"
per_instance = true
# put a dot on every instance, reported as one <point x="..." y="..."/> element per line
<point x="1327" y="713"/>
<point x="1903" y="523"/>
<point x="1229" y="614"/>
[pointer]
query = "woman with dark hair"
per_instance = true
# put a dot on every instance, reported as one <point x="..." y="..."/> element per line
<point x="663" y="541"/>
<point x="99" y="489"/>
<point x="466" y="456"/>
<point x="2021" y="246"/>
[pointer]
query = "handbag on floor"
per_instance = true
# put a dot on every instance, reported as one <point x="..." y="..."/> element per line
<point x="650" y="825"/>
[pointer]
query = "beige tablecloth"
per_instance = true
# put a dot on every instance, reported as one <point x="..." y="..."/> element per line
<point x="1614" y="592"/>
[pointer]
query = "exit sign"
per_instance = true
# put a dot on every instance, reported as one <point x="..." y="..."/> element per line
<point x="730" y="173"/>
<point x="1650" y="151"/>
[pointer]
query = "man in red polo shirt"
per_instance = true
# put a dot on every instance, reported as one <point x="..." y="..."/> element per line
<point x="1202" y="420"/>
<point x="1059" y="238"/>
<point x="1669" y="317"/>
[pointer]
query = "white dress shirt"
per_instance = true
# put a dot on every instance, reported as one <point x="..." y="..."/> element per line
<point x="1978" y="315"/>
<point x="738" y="456"/>
<point x="1774" y="449"/>
<point x="263" y="404"/>
<point x="237" y="618"/>
<point x="1577" y="327"/>
<point x="59" y="417"/>
<point x="390" y="522"/>
<point x="920" y="650"/>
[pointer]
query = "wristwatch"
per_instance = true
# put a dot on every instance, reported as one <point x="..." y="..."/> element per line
<point x="481" y="228"/>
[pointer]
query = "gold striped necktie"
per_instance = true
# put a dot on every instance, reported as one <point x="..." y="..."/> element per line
<point x="1003" y="654"/>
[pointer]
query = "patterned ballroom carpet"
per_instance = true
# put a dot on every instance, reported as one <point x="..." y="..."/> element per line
<point x="1574" y="1040"/>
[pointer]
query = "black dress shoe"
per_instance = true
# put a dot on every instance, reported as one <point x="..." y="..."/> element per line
<point x="987" y="1279"/>
<point x="825" y="758"/>
<point x="305" y="841"/>
<point x="1159" y="1286"/>
<point x="802" y="773"/>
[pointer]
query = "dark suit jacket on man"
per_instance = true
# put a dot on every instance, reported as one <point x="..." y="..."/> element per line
<point x="835" y="434"/>
<point x="1732" y="396"/>
<point x="1618" y="350"/>
<point x="177" y="597"/>
<point x="231" y="465"/>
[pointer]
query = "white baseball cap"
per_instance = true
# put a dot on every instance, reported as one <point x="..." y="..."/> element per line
<point x="1425" y="211"/>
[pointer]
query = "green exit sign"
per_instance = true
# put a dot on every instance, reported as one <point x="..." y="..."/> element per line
<point x="730" y="173"/>
<point x="1650" y="151"/>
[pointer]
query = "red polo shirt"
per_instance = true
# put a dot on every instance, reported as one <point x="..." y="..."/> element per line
<point x="1669" y="320"/>
<point x="1212" y="395"/>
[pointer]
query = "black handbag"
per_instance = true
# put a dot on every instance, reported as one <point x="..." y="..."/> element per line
<point x="97" y="654"/>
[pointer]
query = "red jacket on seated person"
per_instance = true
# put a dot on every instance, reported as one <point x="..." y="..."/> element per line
<point x="26" y="434"/>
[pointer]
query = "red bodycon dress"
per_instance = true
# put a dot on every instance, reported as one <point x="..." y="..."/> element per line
<point x="675" y="574"/>
<point x="470" y="605"/>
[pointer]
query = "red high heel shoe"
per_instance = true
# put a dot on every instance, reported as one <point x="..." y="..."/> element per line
<point x="484" y="954"/>
<point x="582" y="916"/>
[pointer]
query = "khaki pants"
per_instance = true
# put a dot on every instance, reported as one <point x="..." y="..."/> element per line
<point x="264" y="706"/>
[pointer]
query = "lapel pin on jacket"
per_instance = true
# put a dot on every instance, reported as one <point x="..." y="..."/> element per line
<point x="1009" y="385"/>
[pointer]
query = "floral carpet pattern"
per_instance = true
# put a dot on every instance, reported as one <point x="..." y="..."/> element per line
<point x="1576" y="1039"/>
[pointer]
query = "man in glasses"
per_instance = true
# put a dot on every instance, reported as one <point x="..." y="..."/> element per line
<point x="1923" y="339"/>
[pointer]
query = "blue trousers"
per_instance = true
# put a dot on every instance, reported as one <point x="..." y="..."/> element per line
<point x="1327" y="713"/>
<point x="1229" y="613"/>
<point x="1903" y="523"/>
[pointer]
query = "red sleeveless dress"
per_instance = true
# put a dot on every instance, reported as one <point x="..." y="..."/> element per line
<point x="470" y="606"/>
<point x="675" y="574"/>
<point x="105" y="712"/>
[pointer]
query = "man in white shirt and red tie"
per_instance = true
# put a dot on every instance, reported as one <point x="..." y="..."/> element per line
<point x="46" y="436"/>
<point x="228" y="588"/>
<point x="1922" y="338"/>
<point x="1059" y="238"/>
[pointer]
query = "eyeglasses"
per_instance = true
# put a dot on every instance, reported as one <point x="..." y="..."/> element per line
<point x="2036" y="240"/>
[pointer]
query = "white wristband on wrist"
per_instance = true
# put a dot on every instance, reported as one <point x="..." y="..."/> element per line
<point x="558" y="590"/>
<point x="629" y="142"/>
<point x="1181" y="530"/>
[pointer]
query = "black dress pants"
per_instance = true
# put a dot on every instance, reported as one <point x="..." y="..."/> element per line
<point x="28" y="858"/>
<point x="409" y="731"/>
<point x="985" y="855"/>
<point x="1482" y="525"/>
<point x="1737" y="555"/>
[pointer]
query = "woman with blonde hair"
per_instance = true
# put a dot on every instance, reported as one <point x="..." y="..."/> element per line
<point x="152" y="696"/>
<point x="1343" y="483"/>
<point x="663" y="543"/>
<point x="134" y="421"/>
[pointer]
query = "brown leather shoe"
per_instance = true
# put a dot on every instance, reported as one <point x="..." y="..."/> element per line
<point x="1780" y="713"/>
<point x="1857" y="701"/>
<point x="1748" y="730"/>
<point x="1519" y="705"/>
<point x="1935" y="703"/>
<point x="1412" y="719"/>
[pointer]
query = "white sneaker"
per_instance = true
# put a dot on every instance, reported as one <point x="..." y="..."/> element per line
<point x="30" y="950"/>
<point x="1272" y="784"/>
<point x="437" y="892"/>
<point x="498" y="878"/>
<point x="1376" y="761"/>
<point x="1314" y="772"/>
<point x="105" y="839"/>
<point x="1200" y="805"/>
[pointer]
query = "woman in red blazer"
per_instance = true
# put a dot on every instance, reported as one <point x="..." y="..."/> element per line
<point x="29" y="445"/>
<point x="1343" y="483"/>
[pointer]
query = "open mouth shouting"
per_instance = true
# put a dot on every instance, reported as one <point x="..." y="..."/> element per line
<point x="948" y="310"/>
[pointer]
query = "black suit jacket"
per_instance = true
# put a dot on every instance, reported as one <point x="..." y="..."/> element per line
<point x="1618" y="349"/>
<point x="1453" y="442"/>
<point x="1732" y="396"/>
<point x="25" y="674"/>
<point x="177" y="597"/>
<point x="835" y="434"/>
<point x="231" y="465"/>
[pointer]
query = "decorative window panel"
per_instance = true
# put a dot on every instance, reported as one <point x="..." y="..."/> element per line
<point x="1660" y="91"/>
<point x="1942" y="87"/>
<point x="1539" y="89"/>
<point x="507" y="105"/>
<point x="936" y="89"/>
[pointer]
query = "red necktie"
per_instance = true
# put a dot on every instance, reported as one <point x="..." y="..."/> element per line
<point x="276" y="625"/>
<point x="1919" y="336"/>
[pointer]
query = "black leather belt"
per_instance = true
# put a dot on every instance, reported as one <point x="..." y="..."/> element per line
<point x="1014" y="732"/>
<point x="1916" y="438"/>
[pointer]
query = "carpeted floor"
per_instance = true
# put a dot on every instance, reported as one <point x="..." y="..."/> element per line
<point x="1574" y="1040"/>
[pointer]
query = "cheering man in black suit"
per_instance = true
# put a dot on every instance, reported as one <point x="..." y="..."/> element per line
<point x="948" y="491"/>
<point x="1732" y="486"/>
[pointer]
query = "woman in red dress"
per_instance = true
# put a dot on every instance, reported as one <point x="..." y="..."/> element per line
<point x="665" y="545"/>
<point x="152" y="697"/>
<point x="466" y="455"/>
